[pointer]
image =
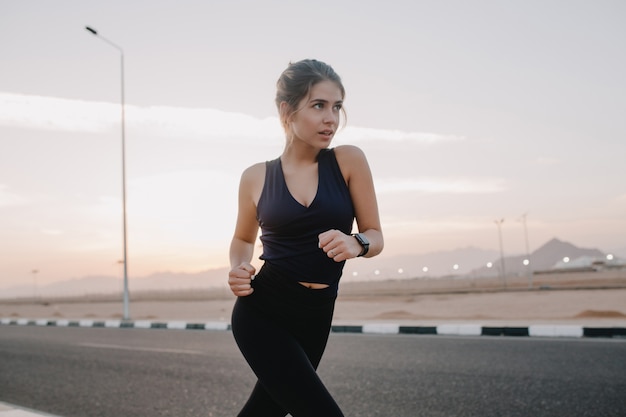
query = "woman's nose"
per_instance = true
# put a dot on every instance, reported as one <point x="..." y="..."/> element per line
<point x="330" y="117"/>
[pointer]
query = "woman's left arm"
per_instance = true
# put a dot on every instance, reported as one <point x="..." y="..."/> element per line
<point x="358" y="176"/>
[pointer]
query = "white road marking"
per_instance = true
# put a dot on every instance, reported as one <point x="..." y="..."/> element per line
<point x="144" y="349"/>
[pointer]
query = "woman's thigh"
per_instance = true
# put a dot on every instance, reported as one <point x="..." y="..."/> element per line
<point x="282" y="363"/>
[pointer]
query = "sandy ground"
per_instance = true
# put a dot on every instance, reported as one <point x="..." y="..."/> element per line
<point x="417" y="303"/>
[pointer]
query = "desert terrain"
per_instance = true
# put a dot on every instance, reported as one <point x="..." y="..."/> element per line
<point x="582" y="298"/>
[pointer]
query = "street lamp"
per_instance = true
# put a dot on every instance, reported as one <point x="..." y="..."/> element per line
<point x="94" y="32"/>
<point x="529" y="270"/>
<point x="499" y="224"/>
<point x="35" y="272"/>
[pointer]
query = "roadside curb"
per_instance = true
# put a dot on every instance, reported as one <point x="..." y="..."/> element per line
<point x="138" y="324"/>
<point x="538" y="330"/>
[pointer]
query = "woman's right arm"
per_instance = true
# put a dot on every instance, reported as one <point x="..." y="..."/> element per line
<point x="246" y="229"/>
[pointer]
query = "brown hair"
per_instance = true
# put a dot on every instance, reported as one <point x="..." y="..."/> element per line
<point x="296" y="82"/>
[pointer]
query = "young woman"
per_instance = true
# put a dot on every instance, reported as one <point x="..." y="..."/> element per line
<point x="305" y="203"/>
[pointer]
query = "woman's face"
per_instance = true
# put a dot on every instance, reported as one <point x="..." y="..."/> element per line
<point x="317" y="118"/>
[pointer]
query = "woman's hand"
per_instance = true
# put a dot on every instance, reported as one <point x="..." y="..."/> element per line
<point x="240" y="279"/>
<point x="339" y="246"/>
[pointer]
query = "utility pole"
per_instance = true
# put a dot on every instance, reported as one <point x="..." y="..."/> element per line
<point x="527" y="263"/>
<point x="502" y="270"/>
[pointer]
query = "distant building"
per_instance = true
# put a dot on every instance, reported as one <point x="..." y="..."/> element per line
<point x="589" y="263"/>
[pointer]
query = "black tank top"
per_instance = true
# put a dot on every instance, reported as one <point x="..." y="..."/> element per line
<point x="289" y="230"/>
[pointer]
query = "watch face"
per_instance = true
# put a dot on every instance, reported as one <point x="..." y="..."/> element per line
<point x="363" y="242"/>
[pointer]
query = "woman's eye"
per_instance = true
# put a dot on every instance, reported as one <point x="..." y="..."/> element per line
<point x="318" y="106"/>
<point x="337" y="107"/>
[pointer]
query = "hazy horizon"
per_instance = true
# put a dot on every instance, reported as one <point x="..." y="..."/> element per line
<point x="470" y="263"/>
<point x="468" y="114"/>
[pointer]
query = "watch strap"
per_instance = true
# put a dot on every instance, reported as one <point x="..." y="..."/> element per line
<point x="365" y="244"/>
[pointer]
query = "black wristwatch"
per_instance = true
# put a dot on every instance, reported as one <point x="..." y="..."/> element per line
<point x="360" y="237"/>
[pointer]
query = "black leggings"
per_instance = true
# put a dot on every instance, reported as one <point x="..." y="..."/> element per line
<point x="282" y="329"/>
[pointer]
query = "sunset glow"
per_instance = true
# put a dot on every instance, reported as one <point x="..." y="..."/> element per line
<point x="464" y="118"/>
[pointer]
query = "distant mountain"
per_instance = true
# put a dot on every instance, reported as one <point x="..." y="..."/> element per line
<point x="76" y="286"/>
<point x="162" y="281"/>
<point x="468" y="261"/>
<point x="545" y="258"/>
<point x="453" y="262"/>
<point x="555" y="250"/>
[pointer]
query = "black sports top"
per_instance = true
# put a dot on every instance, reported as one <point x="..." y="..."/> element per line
<point x="289" y="230"/>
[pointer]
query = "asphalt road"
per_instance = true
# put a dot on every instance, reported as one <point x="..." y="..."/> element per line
<point x="87" y="372"/>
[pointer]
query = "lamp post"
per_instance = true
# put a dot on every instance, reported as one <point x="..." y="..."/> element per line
<point x="95" y="33"/>
<point x="499" y="224"/>
<point x="35" y="272"/>
<point x="528" y="265"/>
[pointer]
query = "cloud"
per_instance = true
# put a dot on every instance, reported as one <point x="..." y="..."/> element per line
<point x="52" y="113"/>
<point x="9" y="199"/>
<point x="203" y="123"/>
<point x="357" y="134"/>
<point x="183" y="195"/>
<point x="442" y="185"/>
<point x="191" y="205"/>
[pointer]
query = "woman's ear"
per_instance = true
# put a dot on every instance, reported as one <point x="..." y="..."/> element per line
<point x="284" y="113"/>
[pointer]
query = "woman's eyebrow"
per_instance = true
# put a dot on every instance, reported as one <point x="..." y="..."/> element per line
<point x="321" y="100"/>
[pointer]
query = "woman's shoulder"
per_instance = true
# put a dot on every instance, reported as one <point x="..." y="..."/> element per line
<point x="252" y="181"/>
<point x="254" y="172"/>
<point x="351" y="161"/>
<point x="255" y="168"/>
<point x="349" y="154"/>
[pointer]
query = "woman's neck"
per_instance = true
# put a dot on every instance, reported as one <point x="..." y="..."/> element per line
<point x="299" y="155"/>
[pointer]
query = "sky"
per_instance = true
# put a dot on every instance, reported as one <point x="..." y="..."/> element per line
<point x="468" y="113"/>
